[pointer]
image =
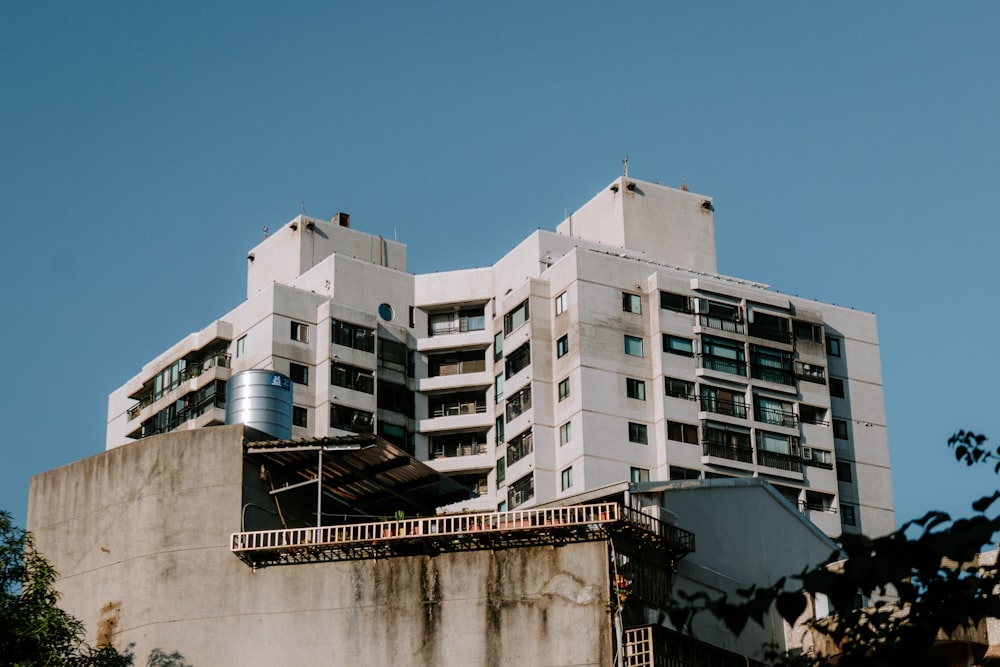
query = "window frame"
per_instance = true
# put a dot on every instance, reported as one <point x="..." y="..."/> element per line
<point x="562" y="346"/>
<point x="630" y="346"/>
<point x="561" y="303"/>
<point x="566" y="478"/>
<point x="841" y="430"/>
<point x="670" y="347"/>
<point x="834" y="346"/>
<point x="638" y="433"/>
<point x="565" y="433"/>
<point x="300" y="416"/>
<point x="688" y="395"/>
<point x="298" y="371"/>
<point x="563" y="389"/>
<point x="682" y="432"/>
<point x="638" y="475"/>
<point x="299" y="331"/>
<point x="635" y="389"/>
<point x="837" y="388"/>
<point x="631" y="303"/>
<point x="516" y="317"/>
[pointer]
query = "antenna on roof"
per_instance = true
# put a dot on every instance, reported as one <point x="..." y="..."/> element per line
<point x="625" y="167"/>
<point x="265" y="231"/>
<point x="684" y="183"/>
<point x="302" y="203"/>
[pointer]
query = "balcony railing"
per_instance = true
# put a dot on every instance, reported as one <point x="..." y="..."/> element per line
<point x="456" y="532"/>
<point x="770" y="333"/>
<point x="445" y="368"/>
<point x="771" y="374"/>
<point x="776" y="416"/>
<point x="723" y="365"/>
<point x="459" y="408"/>
<point x="724" y="450"/>
<point x="219" y="360"/>
<point x="779" y="461"/>
<point x="722" y="406"/>
<point x="720" y="323"/>
<point x="453" y="449"/>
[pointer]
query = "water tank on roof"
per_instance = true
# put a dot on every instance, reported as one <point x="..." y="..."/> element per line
<point x="261" y="399"/>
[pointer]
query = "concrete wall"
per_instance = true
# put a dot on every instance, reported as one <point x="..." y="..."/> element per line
<point x="140" y="537"/>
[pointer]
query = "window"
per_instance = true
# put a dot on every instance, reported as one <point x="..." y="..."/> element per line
<point x="498" y="431"/>
<point x="682" y="432"/>
<point x="386" y="312"/>
<point x="456" y="321"/>
<point x="395" y="434"/>
<point x="395" y="398"/>
<point x="498" y="346"/>
<point x="563" y="388"/>
<point x="638" y="475"/>
<point x="771" y="365"/>
<point x="300" y="332"/>
<point x="676" y="472"/>
<point x="840" y="429"/>
<point x="631" y="303"/>
<point x="848" y="515"/>
<point x="241" y="346"/>
<point x="635" y="389"/>
<point x="724" y="355"/>
<point x="774" y="411"/>
<point x="354" y="336"/>
<point x="836" y="387"/>
<point x="777" y="443"/>
<point x="298" y="373"/>
<point x="518" y="360"/>
<point x="300" y="416"/>
<point x="502" y="506"/>
<point x="561" y="304"/>
<point x="519" y="446"/>
<point x="844" y="473"/>
<point x="771" y="327"/>
<point x="675" y="302"/>
<point x="352" y="377"/>
<point x="515" y="318"/>
<point x="565" y="433"/>
<point x="498" y="387"/>
<point x="521" y="491"/>
<point x="393" y="356"/>
<point x="350" y="419"/>
<point x="818" y="458"/>
<point x="833" y="346"/>
<point x="633" y="346"/>
<point x="455" y="363"/>
<point x="679" y="388"/>
<point x="678" y="345"/>
<point x="723" y="401"/>
<point x="810" y="372"/>
<point x="519" y="403"/>
<point x="562" y="346"/>
<point x="808" y="332"/>
<point x="810" y="414"/>
<point x="638" y="433"/>
<point x="501" y="470"/>
<point x="567" y="478"/>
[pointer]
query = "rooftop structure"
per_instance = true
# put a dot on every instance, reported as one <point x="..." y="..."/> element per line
<point x="608" y="350"/>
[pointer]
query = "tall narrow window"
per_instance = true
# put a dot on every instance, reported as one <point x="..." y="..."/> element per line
<point x="631" y="303"/>
<point x="498" y="387"/>
<point x="848" y="515"/>
<point x="562" y="346"/>
<point x="840" y="429"/>
<point x="300" y="416"/>
<point x="833" y="346"/>
<point x="635" y="389"/>
<point x="241" y="346"/>
<point x="563" y="388"/>
<point x="561" y="303"/>
<point x="567" y="478"/>
<point x="565" y="433"/>
<point x="300" y="332"/>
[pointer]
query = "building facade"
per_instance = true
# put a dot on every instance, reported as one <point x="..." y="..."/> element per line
<point x="608" y="350"/>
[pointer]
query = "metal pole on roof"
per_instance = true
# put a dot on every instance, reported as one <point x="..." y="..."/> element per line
<point x="319" y="489"/>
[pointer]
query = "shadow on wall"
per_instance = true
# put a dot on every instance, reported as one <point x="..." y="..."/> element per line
<point x="160" y="658"/>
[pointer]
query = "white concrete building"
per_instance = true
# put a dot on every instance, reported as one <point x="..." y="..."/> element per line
<point x="608" y="350"/>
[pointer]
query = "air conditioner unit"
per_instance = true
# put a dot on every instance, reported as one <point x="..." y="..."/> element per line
<point x="515" y="498"/>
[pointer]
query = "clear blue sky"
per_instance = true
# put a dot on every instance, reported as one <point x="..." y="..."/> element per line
<point x="851" y="148"/>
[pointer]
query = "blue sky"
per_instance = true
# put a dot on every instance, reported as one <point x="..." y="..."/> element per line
<point x="851" y="149"/>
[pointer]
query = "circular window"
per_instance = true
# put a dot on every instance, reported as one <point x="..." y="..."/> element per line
<point x="385" y="312"/>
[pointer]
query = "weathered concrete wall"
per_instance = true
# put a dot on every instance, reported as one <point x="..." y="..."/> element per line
<point x="140" y="536"/>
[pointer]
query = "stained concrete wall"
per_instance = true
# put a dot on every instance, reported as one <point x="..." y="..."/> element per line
<point x="140" y="537"/>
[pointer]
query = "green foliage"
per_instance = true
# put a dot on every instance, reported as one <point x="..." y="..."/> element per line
<point x="924" y="580"/>
<point x="33" y="629"/>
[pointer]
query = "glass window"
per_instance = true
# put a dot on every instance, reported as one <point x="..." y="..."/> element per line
<point x="456" y="321"/>
<point x="241" y="346"/>
<point x="638" y="433"/>
<point x="562" y="346"/>
<point x="298" y="373"/>
<point x="563" y="388"/>
<point x="675" y="302"/>
<point x="300" y="332"/>
<point x="518" y="360"/>
<point x="561" y="304"/>
<point x="631" y="303"/>
<point x="498" y="431"/>
<point x="300" y="416"/>
<point x="840" y="429"/>
<point x="844" y="473"/>
<point x="833" y="346"/>
<point x="498" y="387"/>
<point x="679" y="388"/>
<point x="519" y="403"/>
<point x="498" y="346"/>
<point x="676" y="472"/>
<point x="723" y="355"/>
<point x="352" y="377"/>
<point x="354" y="336"/>
<point x="848" y="515"/>
<point x="638" y="475"/>
<point x="723" y="401"/>
<point x="777" y="443"/>
<point x="501" y="470"/>
<point x="678" y="345"/>
<point x="635" y="389"/>
<point x="393" y="355"/>
<point x="565" y="433"/>
<point x="680" y="432"/>
<point x="633" y="346"/>
<point x="771" y="365"/>
<point x="567" y="478"/>
<point x="515" y="318"/>
<point x="349" y="419"/>
<point x="836" y="387"/>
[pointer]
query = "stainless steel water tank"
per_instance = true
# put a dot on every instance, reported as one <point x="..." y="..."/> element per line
<point x="261" y="399"/>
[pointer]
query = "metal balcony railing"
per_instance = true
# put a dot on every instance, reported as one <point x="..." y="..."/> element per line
<point x="720" y="323"/>
<point x="723" y="365"/>
<point x="460" y="408"/>
<point x="771" y="333"/>
<point x="776" y="416"/>
<point x="724" y="450"/>
<point x="449" y="450"/>
<point x="459" y="532"/>
<point x="722" y="406"/>
<point x="771" y="374"/>
<point x="779" y="461"/>
<point x="194" y="369"/>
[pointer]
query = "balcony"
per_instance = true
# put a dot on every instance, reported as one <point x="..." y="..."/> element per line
<point x="191" y="370"/>
<point x="786" y="462"/>
<point x="770" y="333"/>
<point x="458" y="532"/>
<point x="776" y="416"/>
<point x="722" y="406"/>
<point x="721" y="323"/>
<point x="772" y="374"/>
<point x="725" y="450"/>
<point x="466" y="444"/>
<point x="656" y="646"/>
<point x="724" y="365"/>
<point x="453" y="409"/>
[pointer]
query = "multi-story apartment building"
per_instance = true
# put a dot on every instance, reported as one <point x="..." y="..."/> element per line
<point x="608" y="350"/>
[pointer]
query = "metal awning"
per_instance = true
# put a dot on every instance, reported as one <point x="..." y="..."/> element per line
<point x="356" y="475"/>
